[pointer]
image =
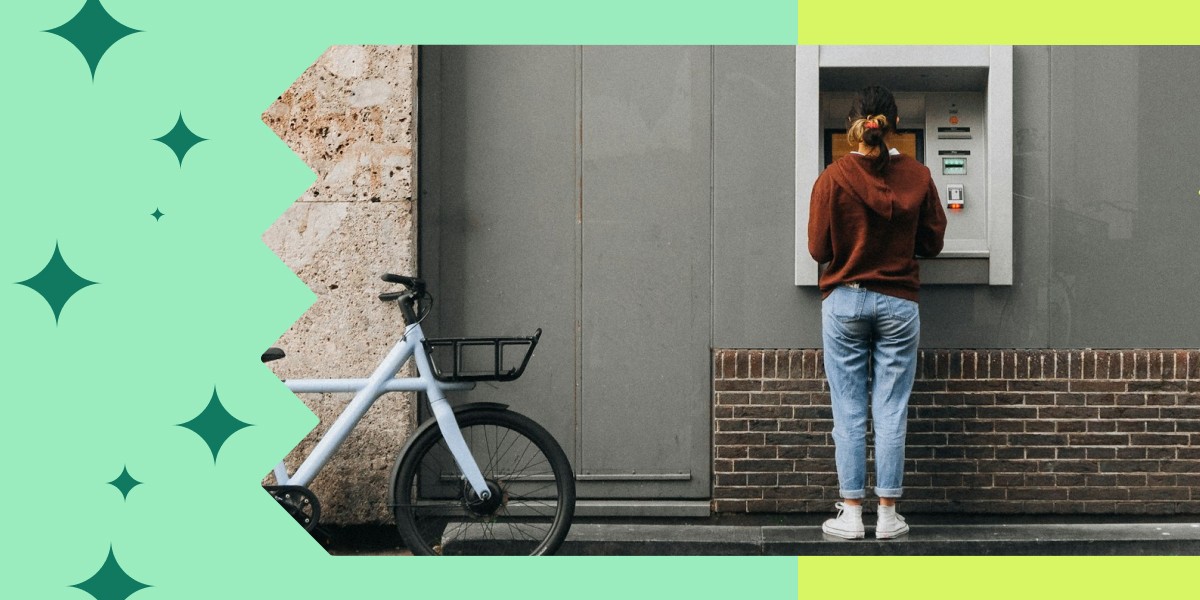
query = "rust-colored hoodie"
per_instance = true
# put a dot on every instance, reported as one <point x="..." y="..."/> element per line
<point x="869" y="228"/>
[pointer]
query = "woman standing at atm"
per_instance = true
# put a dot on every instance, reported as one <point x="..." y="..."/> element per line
<point x="872" y="211"/>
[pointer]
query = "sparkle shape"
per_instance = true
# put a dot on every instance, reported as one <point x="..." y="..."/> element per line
<point x="214" y="425"/>
<point x="125" y="482"/>
<point x="56" y="283"/>
<point x="92" y="31"/>
<point x="111" y="582"/>
<point x="157" y="214"/>
<point x="180" y="139"/>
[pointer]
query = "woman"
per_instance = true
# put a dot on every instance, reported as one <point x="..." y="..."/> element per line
<point x="871" y="212"/>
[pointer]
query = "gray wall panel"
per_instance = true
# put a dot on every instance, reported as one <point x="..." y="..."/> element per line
<point x="647" y="263"/>
<point x="498" y="222"/>
<point x="1124" y="169"/>
<point x="755" y="302"/>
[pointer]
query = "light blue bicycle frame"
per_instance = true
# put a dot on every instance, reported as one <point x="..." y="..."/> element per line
<point x="367" y="391"/>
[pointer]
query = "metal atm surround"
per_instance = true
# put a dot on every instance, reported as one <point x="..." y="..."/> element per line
<point x="972" y="84"/>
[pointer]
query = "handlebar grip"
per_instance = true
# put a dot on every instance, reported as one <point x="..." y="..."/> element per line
<point x="411" y="282"/>
<point x="388" y="296"/>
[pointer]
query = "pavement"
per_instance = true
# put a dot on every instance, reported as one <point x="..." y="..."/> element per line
<point x="931" y="535"/>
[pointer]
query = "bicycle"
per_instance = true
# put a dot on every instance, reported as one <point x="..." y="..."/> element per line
<point x="474" y="479"/>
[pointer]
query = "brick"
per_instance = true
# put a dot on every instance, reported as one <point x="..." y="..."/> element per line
<point x="1072" y="466"/>
<point x="1040" y="385"/>
<point x="968" y="362"/>
<point x="1101" y="453"/>
<point x="1040" y="453"/>
<point x="1071" y="453"/>
<point x="1039" y="427"/>
<point x="929" y="385"/>
<point x="1129" y="412"/>
<point x="763" y="425"/>
<point x="1069" y="426"/>
<point x="1168" y="493"/>
<point x="1100" y="399"/>
<point x="762" y="465"/>
<point x="792" y="451"/>
<point x="1161" y="452"/>
<point x="1153" y="399"/>
<point x="1098" y="439"/>
<point x="1128" y="426"/>
<point x="767" y="399"/>
<point x="1006" y="412"/>
<point x="1008" y="426"/>
<point x="732" y="452"/>
<point x="769" y="365"/>
<point x="1039" y="399"/>
<point x="794" y="439"/>
<point x="786" y="478"/>
<point x="1008" y="399"/>
<point x="733" y="425"/>
<point x="791" y="385"/>
<point x="756" y="363"/>
<point x="738" y="492"/>
<point x="738" y="439"/>
<point x="1087" y="361"/>
<point x="1007" y="466"/>
<point x="1098" y="386"/>
<point x="1155" y="366"/>
<point x="1068" y="412"/>
<point x="1099" y="493"/>
<point x="1175" y="365"/>
<point x="1160" y="427"/>
<point x="1037" y="439"/>
<point x="1124" y="480"/>
<point x="1036" y="493"/>
<point x="1188" y="426"/>
<point x="1129" y="466"/>
<point x="1130" y="453"/>
<point x="737" y="385"/>
<point x="1157" y="386"/>
<point x="731" y="398"/>
<point x="763" y="412"/>
<point x="722" y="480"/>
<point x="1070" y="399"/>
<point x="761" y="452"/>
<point x="971" y="385"/>
<point x="1181" y="466"/>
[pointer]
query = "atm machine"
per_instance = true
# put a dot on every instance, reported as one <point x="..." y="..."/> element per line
<point x="955" y="109"/>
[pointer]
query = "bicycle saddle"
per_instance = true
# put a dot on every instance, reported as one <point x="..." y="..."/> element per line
<point x="272" y="354"/>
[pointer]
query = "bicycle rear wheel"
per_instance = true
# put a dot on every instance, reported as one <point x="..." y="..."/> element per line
<point x="533" y="489"/>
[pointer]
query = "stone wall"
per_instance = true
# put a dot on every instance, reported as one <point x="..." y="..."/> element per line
<point x="989" y="431"/>
<point x="350" y="117"/>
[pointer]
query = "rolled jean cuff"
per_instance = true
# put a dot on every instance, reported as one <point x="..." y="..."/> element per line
<point x="855" y="495"/>
<point x="889" y="492"/>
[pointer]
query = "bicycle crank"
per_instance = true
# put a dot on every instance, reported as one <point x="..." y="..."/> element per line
<point x="299" y="501"/>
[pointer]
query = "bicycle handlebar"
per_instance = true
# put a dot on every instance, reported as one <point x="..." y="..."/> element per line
<point x="416" y="284"/>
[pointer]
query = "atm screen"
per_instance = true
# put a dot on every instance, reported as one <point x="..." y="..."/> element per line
<point x="907" y="141"/>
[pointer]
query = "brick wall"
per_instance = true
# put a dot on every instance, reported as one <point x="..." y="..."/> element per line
<point x="989" y="431"/>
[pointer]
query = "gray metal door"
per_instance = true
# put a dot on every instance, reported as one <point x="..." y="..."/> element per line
<point x="570" y="189"/>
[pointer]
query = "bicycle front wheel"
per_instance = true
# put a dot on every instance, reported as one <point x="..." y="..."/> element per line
<point x="532" y="490"/>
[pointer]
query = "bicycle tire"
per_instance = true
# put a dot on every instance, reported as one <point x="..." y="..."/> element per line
<point x="534" y="489"/>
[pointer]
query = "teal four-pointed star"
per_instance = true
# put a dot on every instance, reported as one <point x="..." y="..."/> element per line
<point x="56" y="283"/>
<point x="111" y="582"/>
<point x="125" y="482"/>
<point x="157" y="214"/>
<point x="180" y="139"/>
<point x="214" y="425"/>
<point x="92" y="31"/>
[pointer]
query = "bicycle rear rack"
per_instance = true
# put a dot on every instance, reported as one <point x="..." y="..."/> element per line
<point x="458" y="346"/>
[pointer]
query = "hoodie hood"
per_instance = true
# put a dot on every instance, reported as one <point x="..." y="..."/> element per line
<point x="853" y="172"/>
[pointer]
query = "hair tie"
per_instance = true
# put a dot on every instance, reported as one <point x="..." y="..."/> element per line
<point x="871" y="125"/>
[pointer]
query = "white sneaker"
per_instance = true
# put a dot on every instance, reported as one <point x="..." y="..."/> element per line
<point x="848" y="524"/>
<point x="890" y="524"/>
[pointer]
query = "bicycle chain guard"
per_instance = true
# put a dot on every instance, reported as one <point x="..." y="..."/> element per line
<point x="299" y="501"/>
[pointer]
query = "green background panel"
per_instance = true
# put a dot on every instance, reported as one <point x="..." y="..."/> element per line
<point x="185" y="304"/>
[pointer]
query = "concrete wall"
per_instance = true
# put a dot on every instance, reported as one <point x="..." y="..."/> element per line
<point x="350" y="116"/>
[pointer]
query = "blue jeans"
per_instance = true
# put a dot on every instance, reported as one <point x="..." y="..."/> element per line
<point x="867" y="333"/>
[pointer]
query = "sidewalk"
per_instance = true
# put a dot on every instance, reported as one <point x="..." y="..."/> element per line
<point x="802" y="536"/>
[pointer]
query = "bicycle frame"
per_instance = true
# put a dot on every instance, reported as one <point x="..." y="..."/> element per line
<point x="367" y="391"/>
